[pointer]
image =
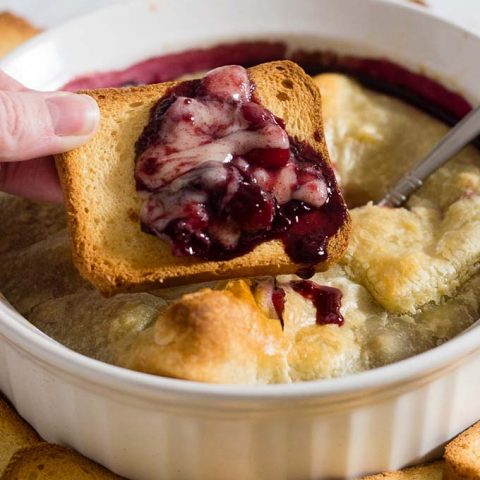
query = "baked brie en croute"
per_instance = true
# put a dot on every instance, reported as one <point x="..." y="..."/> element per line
<point x="409" y="279"/>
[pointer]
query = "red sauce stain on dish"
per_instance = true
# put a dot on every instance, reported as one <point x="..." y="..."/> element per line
<point x="171" y="66"/>
<point x="326" y="300"/>
<point x="388" y="77"/>
<point x="220" y="175"/>
<point x="376" y="73"/>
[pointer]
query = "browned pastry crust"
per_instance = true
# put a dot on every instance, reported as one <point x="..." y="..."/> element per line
<point x="407" y="257"/>
<point x="226" y="335"/>
<point x="14" y="31"/>
<point x="213" y="336"/>
<point x="102" y="204"/>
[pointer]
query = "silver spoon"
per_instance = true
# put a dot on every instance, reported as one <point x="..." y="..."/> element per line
<point x="457" y="138"/>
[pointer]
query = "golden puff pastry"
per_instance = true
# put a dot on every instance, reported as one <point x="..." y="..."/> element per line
<point x="406" y="257"/>
<point x="216" y="336"/>
<point x="374" y="138"/>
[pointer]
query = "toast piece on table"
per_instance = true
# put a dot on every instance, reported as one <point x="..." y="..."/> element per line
<point x="14" y="31"/>
<point x="432" y="471"/>
<point x="50" y="462"/>
<point x="102" y="203"/>
<point x="462" y="455"/>
<point x="15" y="433"/>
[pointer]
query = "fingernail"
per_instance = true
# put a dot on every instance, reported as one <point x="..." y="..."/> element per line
<point x="73" y="114"/>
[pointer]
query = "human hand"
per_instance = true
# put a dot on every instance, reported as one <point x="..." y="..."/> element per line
<point x="33" y="126"/>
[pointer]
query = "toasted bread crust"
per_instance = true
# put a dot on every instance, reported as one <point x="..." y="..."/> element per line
<point x="432" y="471"/>
<point x="462" y="455"/>
<point x="14" y="31"/>
<point x="15" y="433"/>
<point x="102" y="204"/>
<point x="49" y="461"/>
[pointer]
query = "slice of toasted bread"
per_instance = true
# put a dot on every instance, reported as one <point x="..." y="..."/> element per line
<point x="15" y="433"/>
<point x="432" y="471"/>
<point x="14" y="31"/>
<point x="102" y="204"/>
<point x="51" y="462"/>
<point x="462" y="455"/>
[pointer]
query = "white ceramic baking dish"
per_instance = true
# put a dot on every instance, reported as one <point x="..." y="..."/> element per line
<point x="147" y="427"/>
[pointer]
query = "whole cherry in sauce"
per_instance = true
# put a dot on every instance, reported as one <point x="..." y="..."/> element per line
<point x="219" y="175"/>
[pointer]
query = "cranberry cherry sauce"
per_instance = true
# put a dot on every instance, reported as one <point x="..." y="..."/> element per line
<point x="219" y="175"/>
<point x="326" y="300"/>
<point x="376" y="73"/>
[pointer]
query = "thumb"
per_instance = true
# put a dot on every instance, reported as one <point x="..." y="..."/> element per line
<point x="37" y="124"/>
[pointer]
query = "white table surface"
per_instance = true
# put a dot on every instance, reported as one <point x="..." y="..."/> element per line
<point x="48" y="13"/>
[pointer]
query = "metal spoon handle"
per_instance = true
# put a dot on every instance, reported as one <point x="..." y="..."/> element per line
<point x="459" y="136"/>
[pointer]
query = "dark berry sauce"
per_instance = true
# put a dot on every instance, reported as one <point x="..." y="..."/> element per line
<point x="377" y="73"/>
<point x="327" y="301"/>
<point x="278" y="301"/>
<point x="171" y="66"/>
<point x="220" y="175"/>
<point x="306" y="272"/>
<point x="386" y="76"/>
